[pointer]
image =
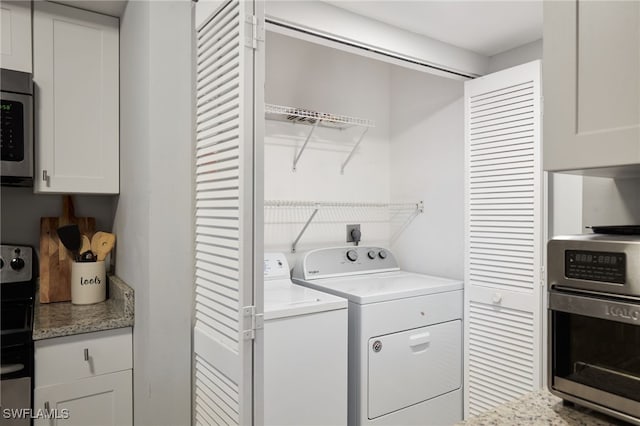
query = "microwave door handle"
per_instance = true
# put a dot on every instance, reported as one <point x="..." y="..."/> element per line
<point x="10" y="368"/>
<point x="610" y="310"/>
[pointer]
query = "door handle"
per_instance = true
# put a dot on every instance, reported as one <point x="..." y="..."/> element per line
<point x="419" y="343"/>
<point x="11" y="368"/>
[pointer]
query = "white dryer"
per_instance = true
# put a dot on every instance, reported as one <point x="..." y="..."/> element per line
<point x="405" y="336"/>
<point x="305" y="351"/>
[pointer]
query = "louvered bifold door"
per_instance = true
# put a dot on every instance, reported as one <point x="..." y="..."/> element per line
<point x="503" y="237"/>
<point x="226" y="222"/>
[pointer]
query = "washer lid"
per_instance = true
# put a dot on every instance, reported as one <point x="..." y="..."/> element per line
<point x="284" y="299"/>
<point x="380" y="287"/>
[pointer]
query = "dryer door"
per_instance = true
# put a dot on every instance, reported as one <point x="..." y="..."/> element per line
<point x="413" y="366"/>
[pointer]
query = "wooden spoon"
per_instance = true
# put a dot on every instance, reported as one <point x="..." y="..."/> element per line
<point x="102" y="243"/>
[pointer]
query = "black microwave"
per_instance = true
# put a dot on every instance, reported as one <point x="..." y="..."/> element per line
<point x="16" y="137"/>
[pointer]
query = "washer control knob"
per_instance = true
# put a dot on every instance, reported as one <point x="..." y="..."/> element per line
<point x="382" y="254"/>
<point x="17" y="263"/>
<point x="371" y="254"/>
<point x="352" y="255"/>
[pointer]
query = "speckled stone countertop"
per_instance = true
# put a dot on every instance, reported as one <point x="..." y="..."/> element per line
<point x="540" y="408"/>
<point x="66" y="319"/>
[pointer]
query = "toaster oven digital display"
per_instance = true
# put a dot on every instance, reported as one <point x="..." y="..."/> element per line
<point x="598" y="266"/>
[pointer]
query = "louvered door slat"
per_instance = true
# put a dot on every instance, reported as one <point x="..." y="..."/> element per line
<point x="503" y="237"/>
<point x="225" y="212"/>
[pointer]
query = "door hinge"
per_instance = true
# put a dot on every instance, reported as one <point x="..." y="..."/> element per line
<point x="256" y="36"/>
<point x="254" y="322"/>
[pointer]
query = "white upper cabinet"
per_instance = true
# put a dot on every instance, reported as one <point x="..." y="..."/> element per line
<point x="75" y="73"/>
<point x="15" y="35"/>
<point x="591" y="86"/>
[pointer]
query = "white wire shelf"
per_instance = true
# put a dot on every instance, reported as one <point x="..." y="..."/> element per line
<point x="316" y="119"/>
<point x="305" y="116"/>
<point x="403" y="213"/>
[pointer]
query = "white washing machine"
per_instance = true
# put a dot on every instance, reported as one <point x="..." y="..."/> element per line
<point x="305" y="351"/>
<point x="405" y="336"/>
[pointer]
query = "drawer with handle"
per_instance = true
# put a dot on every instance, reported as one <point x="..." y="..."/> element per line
<point x="64" y="359"/>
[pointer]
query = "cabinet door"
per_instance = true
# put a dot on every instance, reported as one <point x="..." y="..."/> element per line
<point x="76" y="93"/>
<point x="97" y="401"/>
<point x="15" y="38"/>
<point x="591" y="84"/>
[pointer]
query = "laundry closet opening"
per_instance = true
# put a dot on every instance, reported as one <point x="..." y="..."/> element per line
<point x="397" y="140"/>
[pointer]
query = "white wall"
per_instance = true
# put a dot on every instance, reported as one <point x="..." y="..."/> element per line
<point x="516" y="56"/>
<point x="564" y="204"/>
<point x="153" y="218"/>
<point x="305" y="75"/>
<point x="427" y="163"/>
<point x="21" y="211"/>
<point x="611" y="201"/>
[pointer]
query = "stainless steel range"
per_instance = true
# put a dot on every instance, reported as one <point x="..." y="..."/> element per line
<point x="594" y="322"/>
<point x="17" y="280"/>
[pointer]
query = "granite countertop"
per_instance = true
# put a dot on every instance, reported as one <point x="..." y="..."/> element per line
<point x="541" y="408"/>
<point x="66" y="319"/>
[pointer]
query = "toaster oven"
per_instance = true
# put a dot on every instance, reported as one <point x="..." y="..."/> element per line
<point x="594" y="322"/>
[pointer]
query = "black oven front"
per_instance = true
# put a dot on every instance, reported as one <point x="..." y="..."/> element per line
<point x="18" y="268"/>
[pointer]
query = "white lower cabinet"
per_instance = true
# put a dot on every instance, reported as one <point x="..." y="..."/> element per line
<point x="84" y="379"/>
<point x="104" y="400"/>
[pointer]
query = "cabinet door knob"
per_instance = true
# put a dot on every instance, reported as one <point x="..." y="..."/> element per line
<point x="86" y="354"/>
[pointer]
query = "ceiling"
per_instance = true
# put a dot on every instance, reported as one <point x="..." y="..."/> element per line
<point x="485" y="27"/>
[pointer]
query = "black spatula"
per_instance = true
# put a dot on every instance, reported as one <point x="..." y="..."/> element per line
<point x="71" y="238"/>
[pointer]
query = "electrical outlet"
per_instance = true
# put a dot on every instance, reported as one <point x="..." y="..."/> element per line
<point x="349" y="229"/>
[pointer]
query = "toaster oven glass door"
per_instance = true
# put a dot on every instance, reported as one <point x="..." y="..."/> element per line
<point x="595" y="356"/>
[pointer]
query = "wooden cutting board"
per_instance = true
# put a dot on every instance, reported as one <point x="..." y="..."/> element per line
<point x="55" y="259"/>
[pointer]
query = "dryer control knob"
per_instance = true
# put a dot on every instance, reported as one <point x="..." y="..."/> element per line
<point x="382" y="254"/>
<point x="371" y="254"/>
<point x="352" y="255"/>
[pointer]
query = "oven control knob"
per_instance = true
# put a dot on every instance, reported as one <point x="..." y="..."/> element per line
<point x="382" y="254"/>
<point x="352" y="255"/>
<point x="371" y="254"/>
<point x="17" y="263"/>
